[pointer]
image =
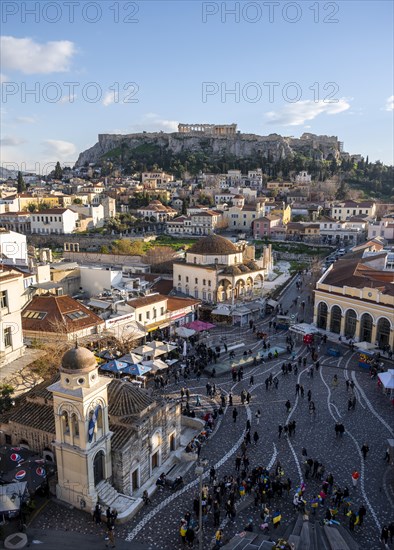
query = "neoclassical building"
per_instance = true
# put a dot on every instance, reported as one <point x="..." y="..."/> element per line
<point x="216" y="270"/>
<point x="355" y="298"/>
<point x="107" y="436"/>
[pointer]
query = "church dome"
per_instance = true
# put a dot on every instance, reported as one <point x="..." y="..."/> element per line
<point x="78" y="359"/>
<point x="232" y="270"/>
<point x="213" y="244"/>
<point x="124" y="399"/>
<point x="243" y="268"/>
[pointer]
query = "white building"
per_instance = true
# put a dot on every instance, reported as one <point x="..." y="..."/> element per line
<point x="11" y="336"/>
<point x="346" y="209"/>
<point x="13" y="248"/>
<point x="303" y="177"/>
<point x="216" y="270"/>
<point x="97" y="279"/>
<point x="61" y="221"/>
<point x="157" y="211"/>
<point x="90" y="211"/>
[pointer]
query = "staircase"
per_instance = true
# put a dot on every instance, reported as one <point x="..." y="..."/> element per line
<point x="108" y="496"/>
<point x="303" y="535"/>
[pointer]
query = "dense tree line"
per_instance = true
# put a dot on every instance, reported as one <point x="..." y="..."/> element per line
<point x="375" y="179"/>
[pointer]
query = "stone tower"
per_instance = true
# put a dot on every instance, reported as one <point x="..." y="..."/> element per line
<point x="83" y="439"/>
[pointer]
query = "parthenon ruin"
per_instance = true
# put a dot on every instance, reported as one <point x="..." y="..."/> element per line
<point x="208" y="129"/>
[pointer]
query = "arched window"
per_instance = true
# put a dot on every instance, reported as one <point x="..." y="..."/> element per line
<point x="336" y="316"/>
<point x="322" y="312"/>
<point x="350" y="323"/>
<point x="383" y="332"/>
<point x="65" y="423"/>
<point x="366" y="324"/>
<point x="75" y="425"/>
<point x="100" y="418"/>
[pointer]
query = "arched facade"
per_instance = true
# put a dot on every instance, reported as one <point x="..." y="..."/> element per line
<point x="322" y="315"/>
<point x="366" y="327"/>
<point x="383" y="329"/>
<point x="350" y="323"/>
<point x="336" y="319"/>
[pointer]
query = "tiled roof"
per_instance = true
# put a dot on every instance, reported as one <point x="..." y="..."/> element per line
<point x="35" y="415"/>
<point x="125" y="399"/>
<point x="146" y="300"/>
<point x="121" y="435"/>
<point x="164" y="286"/>
<point x="179" y="303"/>
<point x="352" y="272"/>
<point x="56" y="309"/>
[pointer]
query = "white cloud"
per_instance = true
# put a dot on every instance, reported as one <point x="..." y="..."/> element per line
<point x="68" y="99"/>
<point x="295" y="114"/>
<point x="11" y="141"/>
<point x="30" y="57"/>
<point x="152" y="122"/>
<point x="110" y="97"/>
<point x="59" y="150"/>
<point x="3" y="78"/>
<point x="149" y="122"/>
<point x="389" y="104"/>
<point x="25" y="120"/>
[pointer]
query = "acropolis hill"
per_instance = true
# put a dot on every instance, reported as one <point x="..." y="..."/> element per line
<point x="217" y="141"/>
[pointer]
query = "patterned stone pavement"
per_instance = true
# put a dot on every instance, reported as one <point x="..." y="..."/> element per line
<point x="157" y="525"/>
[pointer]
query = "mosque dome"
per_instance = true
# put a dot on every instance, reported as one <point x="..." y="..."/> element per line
<point x="213" y="244"/>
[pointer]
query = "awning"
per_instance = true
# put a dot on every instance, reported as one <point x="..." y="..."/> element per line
<point x="127" y="330"/>
<point x="272" y="303"/>
<point x="9" y="496"/>
<point x="365" y="346"/>
<point x="184" y="332"/>
<point x="304" y="328"/>
<point x="387" y="379"/>
<point x="99" y="304"/>
<point x="225" y="311"/>
<point x="199" y="326"/>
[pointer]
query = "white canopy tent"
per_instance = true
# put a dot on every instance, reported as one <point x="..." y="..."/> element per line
<point x="184" y="332"/>
<point x="387" y="379"/>
<point x="303" y="328"/>
<point x="365" y="346"/>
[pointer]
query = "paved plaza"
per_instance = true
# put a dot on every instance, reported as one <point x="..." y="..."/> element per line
<point x="371" y="422"/>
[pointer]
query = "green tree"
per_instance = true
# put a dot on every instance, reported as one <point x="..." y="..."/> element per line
<point x="31" y="207"/>
<point x="6" y="401"/>
<point x="58" y="171"/>
<point x="21" y="183"/>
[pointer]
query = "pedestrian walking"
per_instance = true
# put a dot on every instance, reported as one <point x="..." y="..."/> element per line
<point x="280" y="429"/>
<point x="218" y="538"/>
<point x="111" y="537"/>
<point x="255" y="438"/>
<point x="235" y="414"/>
<point x="251" y="381"/>
<point x="257" y="416"/>
<point x="355" y="478"/>
<point x="362" y="511"/>
<point x="288" y="406"/>
<point x="364" y="450"/>
<point x="384" y="536"/>
<point x="97" y="514"/>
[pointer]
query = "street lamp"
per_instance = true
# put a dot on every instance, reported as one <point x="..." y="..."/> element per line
<point x="200" y="471"/>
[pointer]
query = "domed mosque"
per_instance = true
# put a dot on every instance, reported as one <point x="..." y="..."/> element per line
<point x="217" y="270"/>
<point x="107" y="436"/>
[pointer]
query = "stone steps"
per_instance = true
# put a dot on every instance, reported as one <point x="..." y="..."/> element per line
<point x="108" y="496"/>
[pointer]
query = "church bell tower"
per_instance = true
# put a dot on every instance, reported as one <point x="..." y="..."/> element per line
<point x="83" y="438"/>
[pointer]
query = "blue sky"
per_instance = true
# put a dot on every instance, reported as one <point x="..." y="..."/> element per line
<point x="327" y="65"/>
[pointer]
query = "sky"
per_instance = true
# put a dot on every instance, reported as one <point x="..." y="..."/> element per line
<point x="72" y="70"/>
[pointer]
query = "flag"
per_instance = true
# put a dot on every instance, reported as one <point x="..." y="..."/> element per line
<point x="92" y="423"/>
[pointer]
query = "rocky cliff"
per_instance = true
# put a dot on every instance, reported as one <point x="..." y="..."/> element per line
<point x="239" y="146"/>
